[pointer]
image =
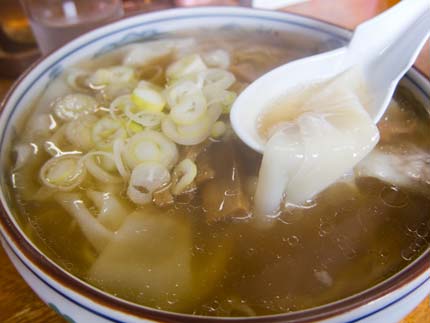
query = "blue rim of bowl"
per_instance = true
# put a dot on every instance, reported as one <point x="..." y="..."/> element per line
<point x="59" y="275"/>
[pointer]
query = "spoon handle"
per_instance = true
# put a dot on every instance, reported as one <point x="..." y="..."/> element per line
<point x="386" y="46"/>
<point x="372" y="38"/>
<point x="399" y="56"/>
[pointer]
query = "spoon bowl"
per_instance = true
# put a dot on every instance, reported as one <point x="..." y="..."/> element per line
<point x="383" y="48"/>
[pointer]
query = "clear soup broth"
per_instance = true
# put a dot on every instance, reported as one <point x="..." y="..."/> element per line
<point x="195" y="248"/>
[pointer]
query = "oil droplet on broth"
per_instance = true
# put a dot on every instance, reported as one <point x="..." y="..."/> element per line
<point x="394" y="197"/>
<point x="326" y="225"/>
<point x="412" y="227"/>
<point x="422" y="230"/>
<point x="293" y="241"/>
<point x="172" y="298"/>
<point x="408" y="254"/>
<point x="420" y="243"/>
<point x="250" y="251"/>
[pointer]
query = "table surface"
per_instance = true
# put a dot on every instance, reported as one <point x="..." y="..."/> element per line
<point x="18" y="303"/>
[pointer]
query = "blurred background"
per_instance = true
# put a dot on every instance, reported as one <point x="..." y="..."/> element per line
<point x="31" y="28"/>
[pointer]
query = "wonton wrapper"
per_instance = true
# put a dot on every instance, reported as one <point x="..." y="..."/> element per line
<point x="329" y="134"/>
<point x="150" y="260"/>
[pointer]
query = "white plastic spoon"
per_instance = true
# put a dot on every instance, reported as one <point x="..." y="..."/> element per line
<point x="384" y="48"/>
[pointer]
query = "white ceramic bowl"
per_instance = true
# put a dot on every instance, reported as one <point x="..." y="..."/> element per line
<point x="77" y="301"/>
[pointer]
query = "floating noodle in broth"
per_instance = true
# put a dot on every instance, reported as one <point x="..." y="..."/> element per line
<point x="129" y="176"/>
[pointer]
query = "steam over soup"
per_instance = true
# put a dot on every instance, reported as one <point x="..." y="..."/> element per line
<point x="128" y="175"/>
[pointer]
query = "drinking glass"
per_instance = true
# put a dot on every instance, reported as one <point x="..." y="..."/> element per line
<point x="55" y="22"/>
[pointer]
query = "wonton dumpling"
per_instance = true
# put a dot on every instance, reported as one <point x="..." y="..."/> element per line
<point x="150" y="260"/>
<point x="96" y="233"/>
<point x="111" y="210"/>
<point x="147" y="52"/>
<point x="408" y="169"/>
<point x="41" y="125"/>
<point x="330" y="134"/>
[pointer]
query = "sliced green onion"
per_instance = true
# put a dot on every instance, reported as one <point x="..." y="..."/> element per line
<point x="114" y="90"/>
<point x="133" y="128"/>
<point x="100" y="77"/>
<point x="179" y="91"/>
<point x="217" y="95"/>
<point x="124" y="108"/>
<point x="107" y="163"/>
<point x="118" y="148"/>
<point x="94" y="167"/>
<point x="218" y="78"/>
<point x="105" y="131"/>
<point x="197" y="79"/>
<point x="218" y="129"/>
<point x="73" y="106"/>
<point x="145" y="118"/>
<point x="220" y="97"/>
<point x="201" y="127"/>
<point x="187" y="65"/>
<point x="189" y="110"/>
<point x="150" y="145"/>
<point x="145" y="179"/>
<point x="148" y="98"/>
<point x="217" y="58"/>
<point x="118" y="106"/>
<point x="192" y="134"/>
<point x="110" y="75"/>
<point x="186" y="138"/>
<point x="63" y="173"/>
<point x="185" y="173"/>
<point x="79" y="132"/>
<point x="122" y="74"/>
<point x="146" y="84"/>
<point x="228" y="100"/>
